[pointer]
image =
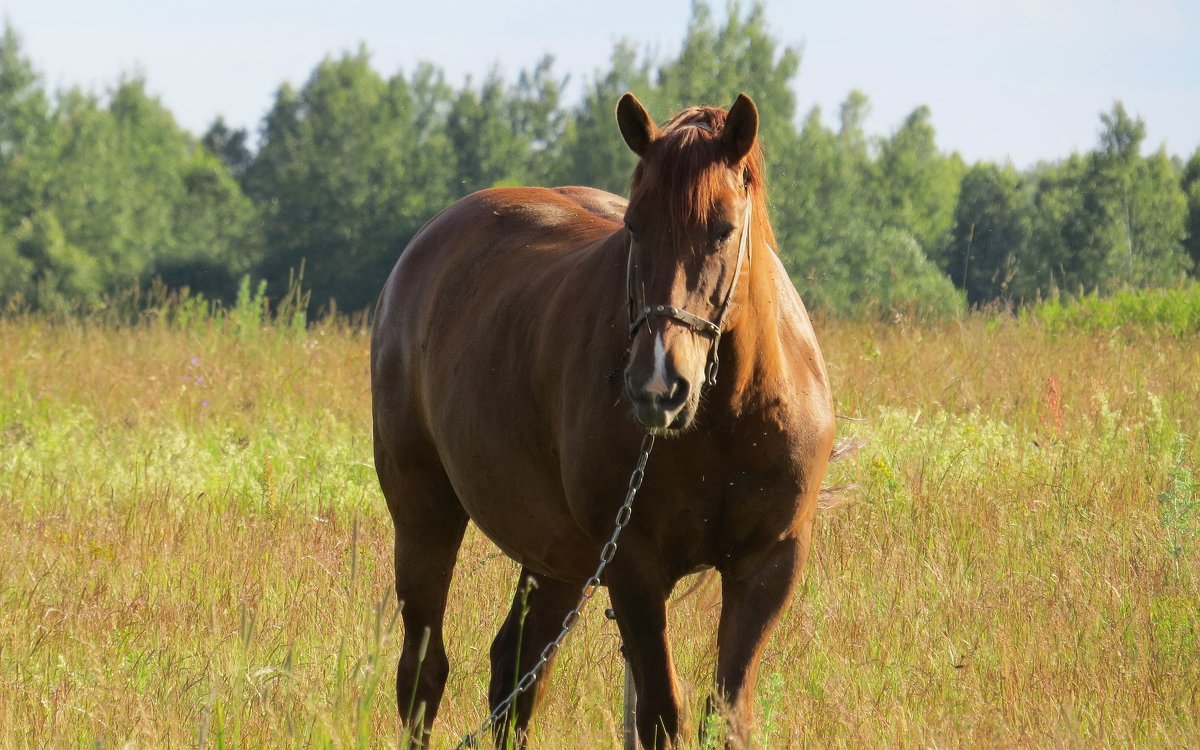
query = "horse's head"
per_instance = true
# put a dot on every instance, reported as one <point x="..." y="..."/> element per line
<point x="696" y="186"/>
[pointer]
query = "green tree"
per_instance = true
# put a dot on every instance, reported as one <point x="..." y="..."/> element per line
<point x="25" y="123"/>
<point x="507" y="135"/>
<point x="539" y="118"/>
<point x="716" y="63"/>
<point x="63" y="276"/>
<point x="142" y="198"/>
<point x="1060" y="254"/>
<point x="919" y="186"/>
<point x="1109" y="219"/>
<point x="814" y="187"/>
<point x="1190" y="185"/>
<point x="215" y="230"/>
<point x="349" y="168"/>
<point x="592" y="152"/>
<point x="1108" y="196"/>
<point x="1155" y="224"/>
<point x="1134" y="208"/>
<point x="834" y="236"/>
<point x="488" y="149"/>
<point x="230" y="146"/>
<point x="992" y="223"/>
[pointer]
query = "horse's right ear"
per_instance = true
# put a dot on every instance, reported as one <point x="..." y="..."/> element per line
<point x="638" y="130"/>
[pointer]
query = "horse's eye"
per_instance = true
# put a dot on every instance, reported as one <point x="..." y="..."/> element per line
<point x="723" y="234"/>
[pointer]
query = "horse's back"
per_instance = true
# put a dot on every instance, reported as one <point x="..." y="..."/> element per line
<point x="493" y="227"/>
<point x="467" y="307"/>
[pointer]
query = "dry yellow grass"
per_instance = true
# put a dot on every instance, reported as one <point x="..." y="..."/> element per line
<point x="196" y="551"/>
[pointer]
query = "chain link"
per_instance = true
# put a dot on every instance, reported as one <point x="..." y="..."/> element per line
<point x="572" y="618"/>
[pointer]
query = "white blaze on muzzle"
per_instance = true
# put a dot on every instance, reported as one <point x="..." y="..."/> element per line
<point x="657" y="385"/>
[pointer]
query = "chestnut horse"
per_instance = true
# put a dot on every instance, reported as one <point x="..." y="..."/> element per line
<point x="524" y="342"/>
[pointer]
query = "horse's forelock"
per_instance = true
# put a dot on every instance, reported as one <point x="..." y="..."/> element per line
<point x="684" y="172"/>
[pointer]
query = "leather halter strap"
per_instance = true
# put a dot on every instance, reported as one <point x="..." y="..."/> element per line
<point x="700" y="325"/>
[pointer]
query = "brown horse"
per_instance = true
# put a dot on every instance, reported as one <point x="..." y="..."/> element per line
<point x="524" y="342"/>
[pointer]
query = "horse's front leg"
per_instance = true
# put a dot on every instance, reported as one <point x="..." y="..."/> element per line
<point x="754" y="594"/>
<point x="639" y="590"/>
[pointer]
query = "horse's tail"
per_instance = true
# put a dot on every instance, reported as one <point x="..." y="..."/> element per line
<point x="836" y="496"/>
<point x="830" y="498"/>
<point x="702" y="583"/>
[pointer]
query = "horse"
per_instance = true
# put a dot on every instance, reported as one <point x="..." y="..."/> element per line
<point x="522" y="346"/>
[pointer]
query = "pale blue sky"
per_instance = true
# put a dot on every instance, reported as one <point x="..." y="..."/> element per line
<point x="1006" y="79"/>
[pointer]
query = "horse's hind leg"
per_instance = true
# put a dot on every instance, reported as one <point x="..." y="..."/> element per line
<point x="534" y="620"/>
<point x="429" y="524"/>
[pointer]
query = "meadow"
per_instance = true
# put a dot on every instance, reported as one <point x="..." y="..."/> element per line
<point x="196" y="552"/>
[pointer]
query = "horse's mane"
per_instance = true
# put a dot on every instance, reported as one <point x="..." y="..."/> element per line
<point x="683" y="173"/>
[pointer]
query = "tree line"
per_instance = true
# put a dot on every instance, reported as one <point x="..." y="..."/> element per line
<point x="101" y="193"/>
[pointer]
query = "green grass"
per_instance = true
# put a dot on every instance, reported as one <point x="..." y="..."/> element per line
<point x="197" y="552"/>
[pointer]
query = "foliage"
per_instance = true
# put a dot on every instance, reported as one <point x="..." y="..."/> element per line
<point x="590" y="155"/>
<point x="1191" y="189"/>
<point x="991" y="231"/>
<point x="231" y="146"/>
<point x="100" y="193"/>
<point x="846" y="255"/>
<point x="104" y="194"/>
<point x="1173" y="310"/>
<point x="1107" y="220"/>
<point x="330" y="176"/>
<point x="919" y="185"/>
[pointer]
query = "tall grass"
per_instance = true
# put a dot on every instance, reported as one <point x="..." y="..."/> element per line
<point x="197" y="553"/>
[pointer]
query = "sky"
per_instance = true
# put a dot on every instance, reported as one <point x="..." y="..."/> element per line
<point x="1006" y="80"/>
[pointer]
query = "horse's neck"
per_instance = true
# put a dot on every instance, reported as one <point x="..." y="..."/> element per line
<point x="755" y="333"/>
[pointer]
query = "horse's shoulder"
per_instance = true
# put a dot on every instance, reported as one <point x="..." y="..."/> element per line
<point x="790" y="311"/>
<point x="801" y="352"/>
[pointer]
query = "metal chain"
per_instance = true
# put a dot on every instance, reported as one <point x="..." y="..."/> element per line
<point x="572" y="618"/>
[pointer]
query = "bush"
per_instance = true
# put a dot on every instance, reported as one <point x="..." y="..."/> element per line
<point x="1175" y="310"/>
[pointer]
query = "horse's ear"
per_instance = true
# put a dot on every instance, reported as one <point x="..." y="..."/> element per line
<point x="741" y="128"/>
<point x="638" y="130"/>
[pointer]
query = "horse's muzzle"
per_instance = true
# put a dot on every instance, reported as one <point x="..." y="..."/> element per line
<point x="666" y="410"/>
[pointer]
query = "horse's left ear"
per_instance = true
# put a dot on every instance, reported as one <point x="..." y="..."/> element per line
<point x="741" y="128"/>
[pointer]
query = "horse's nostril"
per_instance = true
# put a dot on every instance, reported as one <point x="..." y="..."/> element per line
<point x="677" y="393"/>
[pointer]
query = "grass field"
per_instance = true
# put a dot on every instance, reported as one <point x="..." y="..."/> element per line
<point x="196" y="552"/>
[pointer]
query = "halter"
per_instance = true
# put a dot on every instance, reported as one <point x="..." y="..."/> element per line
<point x="702" y="326"/>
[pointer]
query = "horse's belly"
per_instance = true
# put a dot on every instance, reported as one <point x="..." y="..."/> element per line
<point x="528" y="520"/>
